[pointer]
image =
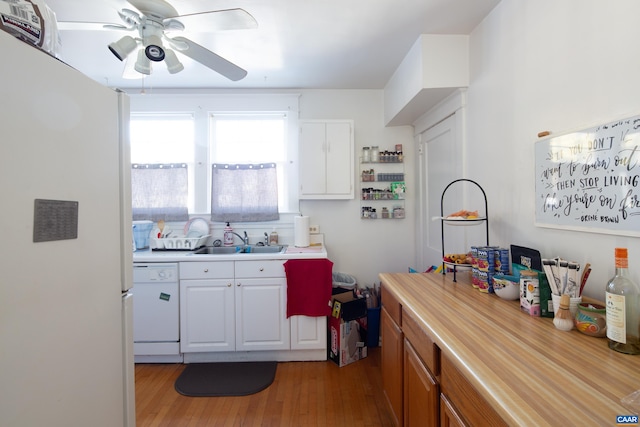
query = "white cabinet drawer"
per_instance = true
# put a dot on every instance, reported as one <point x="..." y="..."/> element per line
<point x="259" y="268"/>
<point x="206" y="270"/>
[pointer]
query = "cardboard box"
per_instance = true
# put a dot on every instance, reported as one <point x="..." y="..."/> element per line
<point x="537" y="302"/>
<point x="347" y="329"/>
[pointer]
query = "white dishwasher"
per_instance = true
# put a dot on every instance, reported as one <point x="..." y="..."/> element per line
<point x="156" y="313"/>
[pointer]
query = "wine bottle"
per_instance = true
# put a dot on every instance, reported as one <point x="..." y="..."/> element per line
<point x="623" y="308"/>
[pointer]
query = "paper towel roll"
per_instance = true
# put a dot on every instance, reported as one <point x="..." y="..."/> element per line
<point x="301" y="231"/>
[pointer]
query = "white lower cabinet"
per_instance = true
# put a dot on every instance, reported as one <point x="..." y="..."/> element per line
<point x="229" y="306"/>
<point x="308" y="333"/>
<point x="261" y="298"/>
<point x="207" y="315"/>
<point x="207" y="310"/>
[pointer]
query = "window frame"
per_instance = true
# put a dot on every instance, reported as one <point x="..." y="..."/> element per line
<point x="202" y="106"/>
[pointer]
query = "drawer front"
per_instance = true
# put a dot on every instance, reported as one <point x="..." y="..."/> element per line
<point x="392" y="305"/>
<point x="206" y="270"/>
<point x="465" y="398"/>
<point x="421" y="342"/>
<point x="258" y="268"/>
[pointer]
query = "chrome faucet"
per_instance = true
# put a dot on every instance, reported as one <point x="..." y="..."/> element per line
<point x="245" y="239"/>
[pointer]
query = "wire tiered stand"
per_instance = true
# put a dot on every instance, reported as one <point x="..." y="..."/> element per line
<point x="461" y="221"/>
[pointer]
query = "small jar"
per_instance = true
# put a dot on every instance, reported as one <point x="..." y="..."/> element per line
<point x="375" y="154"/>
<point x="366" y="154"/>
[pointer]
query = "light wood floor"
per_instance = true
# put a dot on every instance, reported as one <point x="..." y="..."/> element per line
<point x="302" y="394"/>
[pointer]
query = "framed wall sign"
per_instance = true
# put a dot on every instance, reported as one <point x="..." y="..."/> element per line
<point x="589" y="180"/>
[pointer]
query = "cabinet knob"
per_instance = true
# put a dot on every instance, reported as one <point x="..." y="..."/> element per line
<point x="228" y="285"/>
<point x="238" y="285"/>
<point x="261" y="268"/>
<point x="206" y="270"/>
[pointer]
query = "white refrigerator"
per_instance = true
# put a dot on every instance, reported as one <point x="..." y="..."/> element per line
<point x="66" y="354"/>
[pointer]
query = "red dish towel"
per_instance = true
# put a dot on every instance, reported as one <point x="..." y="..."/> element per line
<point x="309" y="284"/>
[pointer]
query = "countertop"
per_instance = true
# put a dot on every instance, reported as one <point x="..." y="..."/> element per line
<point x="292" y="252"/>
<point x="527" y="370"/>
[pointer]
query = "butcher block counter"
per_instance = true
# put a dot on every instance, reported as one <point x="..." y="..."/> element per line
<point x="491" y="363"/>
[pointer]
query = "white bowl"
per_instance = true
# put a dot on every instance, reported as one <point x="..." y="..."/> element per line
<point x="506" y="287"/>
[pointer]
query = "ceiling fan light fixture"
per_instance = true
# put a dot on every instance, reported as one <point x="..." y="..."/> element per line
<point x="123" y="47"/>
<point x="173" y="64"/>
<point x="143" y="65"/>
<point x="154" y="49"/>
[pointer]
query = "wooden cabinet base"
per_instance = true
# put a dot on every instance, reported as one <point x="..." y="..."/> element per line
<point x="466" y="398"/>
<point x="421" y="392"/>
<point x="392" y="361"/>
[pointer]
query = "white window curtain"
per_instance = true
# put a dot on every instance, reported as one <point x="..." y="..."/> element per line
<point x="159" y="191"/>
<point x="244" y="193"/>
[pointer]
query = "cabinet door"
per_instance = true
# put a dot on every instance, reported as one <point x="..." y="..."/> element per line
<point x="392" y="361"/>
<point x="449" y="416"/>
<point x="207" y="319"/>
<point x="326" y="160"/>
<point x="467" y="401"/>
<point x="261" y="322"/>
<point x="421" y="394"/>
<point x="339" y="159"/>
<point x="308" y="333"/>
<point x="313" y="168"/>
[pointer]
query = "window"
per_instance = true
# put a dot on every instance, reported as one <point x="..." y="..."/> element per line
<point x="251" y="138"/>
<point x="162" y="155"/>
<point x="208" y="129"/>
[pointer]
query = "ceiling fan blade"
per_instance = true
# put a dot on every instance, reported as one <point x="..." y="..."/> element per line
<point x="90" y="26"/>
<point x="218" y="20"/>
<point x="211" y="60"/>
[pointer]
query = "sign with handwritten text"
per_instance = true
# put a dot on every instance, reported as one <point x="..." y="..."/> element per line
<point x="589" y="180"/>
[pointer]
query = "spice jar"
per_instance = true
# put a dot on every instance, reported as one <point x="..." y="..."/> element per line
<point x="375" y="154"/>
<point x="366" y="154"/>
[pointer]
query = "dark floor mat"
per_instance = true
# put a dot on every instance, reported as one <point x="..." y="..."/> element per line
<point x="225" y="378"/>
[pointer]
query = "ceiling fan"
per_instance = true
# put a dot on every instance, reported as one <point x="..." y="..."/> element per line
<point x="152" y="21"/>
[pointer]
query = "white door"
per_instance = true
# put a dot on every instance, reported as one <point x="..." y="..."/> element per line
<point x="261" y="322"/>
<point x="207" y="321"/>
<point x="441" y="164"/>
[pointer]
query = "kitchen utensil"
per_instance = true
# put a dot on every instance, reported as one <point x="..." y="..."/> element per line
<point x="585" y="277"/>
<point x="161" y="228"/>
<point x="573" y="304"/>
<point x="563" y="319"/>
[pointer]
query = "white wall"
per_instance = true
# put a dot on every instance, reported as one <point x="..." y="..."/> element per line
<point x="363" y="248"/>
<point x="557" y="66"/>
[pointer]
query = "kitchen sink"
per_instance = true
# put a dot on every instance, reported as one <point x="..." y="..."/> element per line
<point x="217" y="250"/>
<point x="266" y="249"/>
<point x="250" y="249"/>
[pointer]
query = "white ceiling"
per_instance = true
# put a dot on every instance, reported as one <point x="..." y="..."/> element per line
<point x="303" y="44"/>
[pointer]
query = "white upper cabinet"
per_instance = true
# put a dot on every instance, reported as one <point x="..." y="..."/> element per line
<point x="326" y="150"/>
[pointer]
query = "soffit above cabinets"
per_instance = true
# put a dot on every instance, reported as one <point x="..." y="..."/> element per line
<point x="434" y="68"/>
